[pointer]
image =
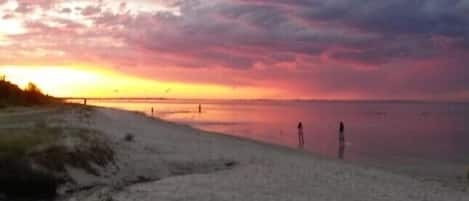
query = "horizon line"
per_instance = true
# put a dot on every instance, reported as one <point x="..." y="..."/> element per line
<point x="270" y="99"/>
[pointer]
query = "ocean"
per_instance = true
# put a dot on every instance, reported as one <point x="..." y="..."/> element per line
<point x="373" y="130"/>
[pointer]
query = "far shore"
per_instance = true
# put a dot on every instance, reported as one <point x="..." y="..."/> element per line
<point x="147" y="158"/>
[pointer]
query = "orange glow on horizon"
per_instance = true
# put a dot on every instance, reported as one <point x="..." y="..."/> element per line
<point x="90" y="82"/>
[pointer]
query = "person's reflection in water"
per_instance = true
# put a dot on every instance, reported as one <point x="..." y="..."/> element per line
<point x="341" y="151"/>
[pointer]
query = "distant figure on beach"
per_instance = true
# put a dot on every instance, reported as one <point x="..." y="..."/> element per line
<point x="301" y="140"/>
<point x="200" y="108"/>
<point x="152" y="111"/>
<point x="84" y="101"/>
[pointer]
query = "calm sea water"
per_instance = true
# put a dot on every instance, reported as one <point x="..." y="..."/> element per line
<point x="379" y="130"/>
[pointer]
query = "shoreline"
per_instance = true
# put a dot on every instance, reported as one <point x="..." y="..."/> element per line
<point x="292" y="151"/>
<point x="448" y="173"/>
<point x="169" y="161"/>
<point x="409" y="168"/>
<point x="405" y="166"/>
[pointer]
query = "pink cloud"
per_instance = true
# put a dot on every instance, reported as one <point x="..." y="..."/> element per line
<point x="312" y="51"/>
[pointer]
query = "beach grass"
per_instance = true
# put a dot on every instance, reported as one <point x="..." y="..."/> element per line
<point x="35" y="153"/>
<point x="89" y="148"/>
<point x="17" y="174"/>
<point x="44" y="146"/>
<point x="17" y="142"/>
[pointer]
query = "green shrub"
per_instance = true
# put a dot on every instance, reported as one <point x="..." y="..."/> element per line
<point x="17" y="142"/>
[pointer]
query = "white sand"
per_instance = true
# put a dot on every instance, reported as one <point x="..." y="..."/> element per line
<point x="189" y="164"/>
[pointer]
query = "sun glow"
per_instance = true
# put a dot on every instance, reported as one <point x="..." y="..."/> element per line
<point x="11" y="27"/>
<point x="89" y="82"/>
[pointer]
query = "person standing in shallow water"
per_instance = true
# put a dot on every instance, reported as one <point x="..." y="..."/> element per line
<point x="341" y="140"/>
<point x="341" y="132"/>
<point x="301" y="140"/>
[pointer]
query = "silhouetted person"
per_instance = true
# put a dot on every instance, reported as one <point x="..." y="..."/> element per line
<point x="200" y="108"/>
<point x="152" y="111"/>
<point x="301" y="140"/>
<point x="84" y="101"/>
<point x="341" y="150"/>
<point x="341" y="132"/>
<point x="341" y="127"/>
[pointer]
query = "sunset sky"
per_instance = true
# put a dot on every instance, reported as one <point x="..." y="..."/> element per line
<point x="320" y="49"/>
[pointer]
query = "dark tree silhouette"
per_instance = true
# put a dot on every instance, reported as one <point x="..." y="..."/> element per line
<point x="32" y="88"/>
<point x="11" y="94"/>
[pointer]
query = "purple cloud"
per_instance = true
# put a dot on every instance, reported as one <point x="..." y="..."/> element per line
<point x="372" y="48"/>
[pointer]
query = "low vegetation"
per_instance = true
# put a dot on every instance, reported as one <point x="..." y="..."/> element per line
<point x="88" y="149"/>
<point x="18" y="179"/>
<point x="35" y="154"/>
<point x="44" y="146"/>
<point x="18" y="142"/>
<point x="12" y="95"/>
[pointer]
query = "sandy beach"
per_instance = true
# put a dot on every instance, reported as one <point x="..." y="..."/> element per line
<point x="220" y="100"/>
<point x="168" y="161"/>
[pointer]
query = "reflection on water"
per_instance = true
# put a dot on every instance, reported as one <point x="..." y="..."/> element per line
<point x="341" y="152"/>
<point x="373" y="129"/>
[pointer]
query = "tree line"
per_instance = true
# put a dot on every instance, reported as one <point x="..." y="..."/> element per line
<point x="12" y="95"/>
